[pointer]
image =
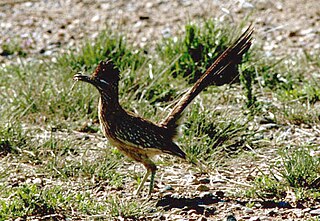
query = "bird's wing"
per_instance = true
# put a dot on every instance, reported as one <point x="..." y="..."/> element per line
<point x="144" y="134"/>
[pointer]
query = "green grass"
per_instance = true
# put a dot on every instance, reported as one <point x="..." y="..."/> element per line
<point x="297" y="171"/>
<point x="196" y="51"/>
<point x="31" y="200"/>
<point x="53" y="157"/>
<point x="213" y="135"/>
<point x="13" y="138"/>
<point x="13" y="47"/>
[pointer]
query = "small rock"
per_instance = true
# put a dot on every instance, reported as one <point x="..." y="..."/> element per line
<point x="204" y="181"/>
<point x="248" y="210"/>
<point x="166" y="33"/>
<point x="203" y="188"/>
<point x="231" y="218"/>
<point x="174" y="195"/>
<point x="144" y="17"/>
<point x="95" y="18"/>
<point x="254" y="218"/>
<point x="315" y="212"/>
<point x="37" y="181"/>
<point x="149" y="5"/>
<point x="306" y="210"/>
<point x="166" y="188"/>
<point x="205" y="194"/>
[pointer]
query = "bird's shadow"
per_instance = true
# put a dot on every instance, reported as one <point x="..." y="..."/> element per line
<point x="200" y="204"/>
<point x="204" y="204"/>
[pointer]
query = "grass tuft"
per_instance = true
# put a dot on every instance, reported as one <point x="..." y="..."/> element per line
<point x="30" y="200"/>
<point x="13" y="138"/>
<point x="196" y="51"/>
<point x="296" y="171"/>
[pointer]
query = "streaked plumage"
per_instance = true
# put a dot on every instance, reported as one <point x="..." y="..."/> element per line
<point x="139" y="138"/>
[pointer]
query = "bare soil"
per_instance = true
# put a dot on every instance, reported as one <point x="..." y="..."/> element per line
<point x="282" y="27"/>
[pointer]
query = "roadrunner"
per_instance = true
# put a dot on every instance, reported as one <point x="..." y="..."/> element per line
<point x="138" y="138"/>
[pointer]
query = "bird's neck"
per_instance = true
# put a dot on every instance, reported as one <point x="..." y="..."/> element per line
<point x="109" y="101"/>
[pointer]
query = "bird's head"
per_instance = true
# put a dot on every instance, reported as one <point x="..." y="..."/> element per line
<point x="105" y="76"/>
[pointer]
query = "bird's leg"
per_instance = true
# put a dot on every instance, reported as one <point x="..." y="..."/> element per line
<point x="144" y="179"/>
<point x="153" y="173"/>
<point x="151" y="169"/>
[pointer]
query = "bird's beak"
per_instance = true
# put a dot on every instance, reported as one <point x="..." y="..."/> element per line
<point x="81" y="77"/>
<point x="98" y="83"/>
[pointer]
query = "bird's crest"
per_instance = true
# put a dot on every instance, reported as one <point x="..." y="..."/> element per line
<point x="107" y="71"/>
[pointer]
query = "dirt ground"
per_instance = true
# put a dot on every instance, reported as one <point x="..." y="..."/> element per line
<point x="282" y="28"/>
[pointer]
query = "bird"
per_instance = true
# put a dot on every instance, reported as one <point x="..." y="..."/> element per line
<point x="139" y="138"/>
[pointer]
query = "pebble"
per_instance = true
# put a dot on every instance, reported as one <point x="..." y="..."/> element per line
<point x="166" y="188"/>
<point x="37" y="181"/>
<point x="315" y="212"/>
<point x="205" y="194"/>
<point x="204" y="181"/>
<point x="306" y="210"/>
<point x="248" y="210"/>
<point x="231" y="218"/>
<point x="203" y="188"/>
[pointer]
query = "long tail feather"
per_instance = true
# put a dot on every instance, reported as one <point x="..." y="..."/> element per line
<point x="231" y="56"/>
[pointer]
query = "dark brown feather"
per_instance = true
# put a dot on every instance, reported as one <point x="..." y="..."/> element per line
<point x="231" y="56"/>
